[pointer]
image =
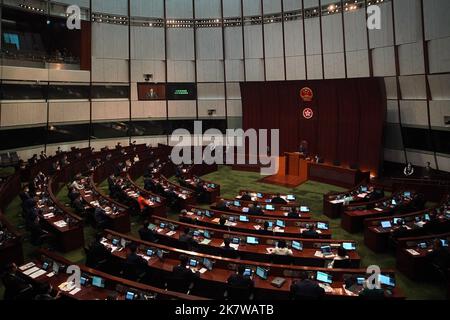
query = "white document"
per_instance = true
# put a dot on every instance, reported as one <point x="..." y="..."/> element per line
<point x="38" y="273"/>
<point x="75" y="291"/>
<point x="26" y="266"/>
<point x="30" y="271"/>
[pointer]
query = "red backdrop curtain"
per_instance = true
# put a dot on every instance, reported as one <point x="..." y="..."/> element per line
<point x="347" y="123"/>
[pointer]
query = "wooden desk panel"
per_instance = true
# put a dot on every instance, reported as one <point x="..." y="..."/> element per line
<point x="343" y="177"/>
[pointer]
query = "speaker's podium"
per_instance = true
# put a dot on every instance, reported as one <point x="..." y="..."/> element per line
<point x="292" y="170"/>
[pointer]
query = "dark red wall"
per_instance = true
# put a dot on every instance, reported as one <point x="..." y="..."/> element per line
<point x="348" y="119"/>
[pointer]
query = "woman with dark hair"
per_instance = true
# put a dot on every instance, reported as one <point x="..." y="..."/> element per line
<point x="341" y="260"/>
<point x="281" y="249"/>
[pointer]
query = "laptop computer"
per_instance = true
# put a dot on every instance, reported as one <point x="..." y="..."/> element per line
<point x="326" y="251"/>
<point x="324" y="277"/>
<point x="280" y="223"/>
<point x="243" y="219"/>
<point x="270" y="207"/>
<point x="297" y="245"/>
<point x="322" y="226"/>
<point x="252" y="240"/>
<point x="386" y="224"/>
<point x="262" y="272"/>
<point x="349" y="246"/>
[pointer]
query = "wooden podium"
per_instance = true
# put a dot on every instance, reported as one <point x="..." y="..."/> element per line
<point x="293" y="171"/>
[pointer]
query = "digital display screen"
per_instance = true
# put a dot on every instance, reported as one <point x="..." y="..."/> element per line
<point x="349" y="246"/>
<point x="193" y="262"/>
<point x="386" y="280"/>
<point x="170" y="91"/>
<point x="280" y="223"/>
<point x="386" y="224"/>
<point x="252" y="240"/>
<point x="243" y="218"/>
<point x="181" y="91"/>
<point x="149" y="91"/>
<point x="322" y="226"/>
<point x="12" y="39"/>
<point x="98" y="282"/>
<point x="297" y="245"/>
<point x="324" y="277"/>
<point x="262" y="273"/>
<point x="207" y="263"/>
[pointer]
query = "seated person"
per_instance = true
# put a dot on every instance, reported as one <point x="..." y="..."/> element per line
<point x="239" y="280"/>
<point x="15" y="286"/>
<point x="25" y="194"/>
<point x="72" y="194"/>
<point x="146" y="234"/>
<point x="293" y="213"/>
<point x="341" y="260"/>
<point x="187" y="238"/>
<point x="278" y="200"/>
<point x="255" y="209"/>
<point x="310" y="232"/>
<point x="144" y="204"/>
<point x="246" y="197"/>
<point x="181" y="271"/>
<point x="226" y="244"/>
<point x="135" y="261"/>
<point x="372" y="294"/>
<point x="281" y="249"/>
<point x="222" y="205"/>
<point x="45" y="292"/>
<point x="223" y="219"/>
<point x="100" y="216"/>
<point x="305" y="288"/>
<point x="439" y="257"/>
<point x="97" y="253"/>
<point x="149" y="184"/>
<point x="78" y="205"/>
<point x="37" y="234"/>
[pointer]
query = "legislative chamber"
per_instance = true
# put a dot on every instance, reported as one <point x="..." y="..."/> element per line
<point x="224" y="153"/>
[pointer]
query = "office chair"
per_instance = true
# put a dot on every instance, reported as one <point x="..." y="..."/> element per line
<point x="131" y="272"/>
<point x="342" y="264"/>
<point x="232" y="254"/>
<point x="238" y="293"/>
<point x="174" y="283"/>
<point x="278" y="259"/>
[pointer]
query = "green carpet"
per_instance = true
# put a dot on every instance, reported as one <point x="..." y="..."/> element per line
<point x="309" y="193"/>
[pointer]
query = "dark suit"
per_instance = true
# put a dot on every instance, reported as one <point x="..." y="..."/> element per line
<point x="293" y="214"/>
<point x="78" y="206"/>
<point x="278" y="200"/>
<point x="238" y="280"/>
<point x="135" y="266"/>
<point x="255" y="210"/>
<point x="100" y="217"/>
<point x="187" y="239"/>
<point x="181" y="272"/>
<point x="146" y="234"/>
<point x="306" y="289"/>
<point x="246" y="197"/>
<point x="310" y="234"/>
<point x="97" y="254"/>
<point x="14" y="285"/>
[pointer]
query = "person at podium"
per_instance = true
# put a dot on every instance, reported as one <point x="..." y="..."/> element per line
<point x="303" y="147"/>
